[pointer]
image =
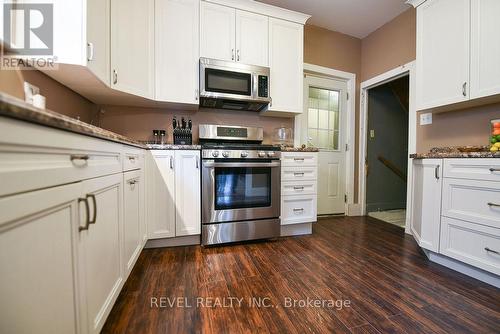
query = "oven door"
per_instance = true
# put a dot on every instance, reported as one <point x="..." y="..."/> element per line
<point x="239" y="191"/>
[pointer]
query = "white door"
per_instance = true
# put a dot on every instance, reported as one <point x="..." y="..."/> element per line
<point x="99" y="247"/>
<point x="133" y="217"/>
<point x="442" y="52"/>
<point x="132" y="47"/>
<point x="485" y="48"/>
<point x="323" y="125"/>
<point x="177" y="28"/>
<point x="252" y="38"/>
<point x="160" y="194"/>
<point x="286" y="61"/>
<point x="218" y="26"/>
<point x="98" y="41"/>
<point x="37" y="234"/>
<point x="187" y="193"/>
<point x="427" y="188"/>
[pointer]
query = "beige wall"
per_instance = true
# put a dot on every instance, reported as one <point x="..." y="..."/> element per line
<point x="59" y="98"/>
<point x="138" y="123"/>
<point x="391" y="45"/>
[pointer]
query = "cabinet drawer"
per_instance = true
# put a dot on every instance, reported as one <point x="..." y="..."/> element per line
<point x="294" y="159"/>
<point x="298" y="209"/>
<point x="473" y="169"/>
<point x="471" y="243"/>
<point x="474" y="201"/>
<point x="298" y="188"/>
<point x="298" y="173"/>
<point x="132" y="161"/>
<point x="25" y="169"/>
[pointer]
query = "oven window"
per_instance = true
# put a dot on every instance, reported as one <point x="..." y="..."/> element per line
<point x="242" y="187"/>
<point x="219" y="81"/>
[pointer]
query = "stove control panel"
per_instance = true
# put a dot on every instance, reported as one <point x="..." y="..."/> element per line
<point x="240" y="154"/>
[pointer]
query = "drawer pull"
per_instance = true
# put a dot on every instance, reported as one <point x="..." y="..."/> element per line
<point x="493" y="204"/>
<point x="298" y="159"/>
<point x="298" y="188"/>
<point x="94" y="218"/>
<point x="87" y="214"/>
<point x="298" y="174"/>
<point x="298" y="210"/>
<point x="491" y="250"/>
<point x="436" y="172"/>
<point x="132" y="182"/>
<point x="494" y="170"/>
<point x="79" y="157"/>
<point x="131" y="159"/>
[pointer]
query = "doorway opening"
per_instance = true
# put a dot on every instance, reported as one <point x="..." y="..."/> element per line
<point x="386" y="162"/>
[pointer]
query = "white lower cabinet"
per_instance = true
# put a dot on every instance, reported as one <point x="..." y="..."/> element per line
<point x="173" y="193"/>
<point x="427" y="184"/>
<point x="37" y="243"/>
<point x="100" y="268"/>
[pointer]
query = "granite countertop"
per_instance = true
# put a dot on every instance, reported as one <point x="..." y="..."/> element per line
<point x="298" y="149"/>
<point x="453" y="152"/>
<point x="172" y="147"/>
<point x="15" y="108"/>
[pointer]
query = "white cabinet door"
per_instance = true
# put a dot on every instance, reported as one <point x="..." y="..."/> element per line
<point x="187" y="193"/>
<point x="160" y="194"/>
<point x="133" y="217"/>
<point x="98" y="41"/>
<point x="252" y="38"/>
<point x="443" y="28"/>
<point x="427" y="188"/>
<point x="217" y="31"/>
<point x="99" y="247"/>
<point x="132" y="47"/>
<point x="177" y="50"/>
<point x="286" y="60"/>
<point x="37" y="233"/>
<point x="485" y="48"/>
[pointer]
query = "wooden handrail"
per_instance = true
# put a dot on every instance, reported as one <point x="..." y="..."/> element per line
<point x="392" y="167"/>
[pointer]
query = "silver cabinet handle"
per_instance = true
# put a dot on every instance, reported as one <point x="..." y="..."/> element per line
<point x="171" y="162"/>
<point x="491" y="250"/>
<point x="197" y="162"/>
<point x="90" y="51"/>
<point x="131" y="159"/>
<point x="298" y="174"/>
<point x="196" y="94"/>
<point x="115" y="77"/>
<point x="298" y="210"/>
<point x="494" y="204"/>
<point x="436" y="172"/>
<point x="94" y="217"/>
<point x="232" y="54"/>
<point x="464" y="89"/>
<point x="238" y="55"/>
<point x="82" y="157"/>
<point x="298" y="159"/>
<point x="132" y="182"/>
<point x="87" y="214"/>
<point x="493" y="170"/>
<point x="298" y="188"/>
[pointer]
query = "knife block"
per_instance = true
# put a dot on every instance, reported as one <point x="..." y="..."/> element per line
<point x="183" y="136"/>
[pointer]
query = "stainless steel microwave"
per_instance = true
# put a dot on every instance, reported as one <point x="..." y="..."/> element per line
<point x="234" y="86"/>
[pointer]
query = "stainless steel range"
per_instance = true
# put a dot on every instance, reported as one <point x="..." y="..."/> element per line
<point x="240" y="185"/>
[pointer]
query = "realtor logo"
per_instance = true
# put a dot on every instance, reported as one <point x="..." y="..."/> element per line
<point x="28" y="29"/>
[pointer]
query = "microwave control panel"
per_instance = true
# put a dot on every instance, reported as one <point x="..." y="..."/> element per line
<point x="263" y="86"/>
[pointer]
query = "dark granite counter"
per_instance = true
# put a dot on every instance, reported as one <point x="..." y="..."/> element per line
<point x="455" y="152"/>
<point x="172" y="147"/>
<point x="298" y="149"/>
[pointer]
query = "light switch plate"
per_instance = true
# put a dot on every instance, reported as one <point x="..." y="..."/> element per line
<point x="426" y="119"/>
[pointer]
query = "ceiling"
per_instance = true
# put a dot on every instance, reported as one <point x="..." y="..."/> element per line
<point x="357" y="18"/>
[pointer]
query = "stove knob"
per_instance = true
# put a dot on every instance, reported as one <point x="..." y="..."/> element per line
<point x="225" y="154"/>
<point x="244" y="154"/>
<point x="215" y="154"/>
<point x="262" y="154"/>
<point x="270" y="154"/>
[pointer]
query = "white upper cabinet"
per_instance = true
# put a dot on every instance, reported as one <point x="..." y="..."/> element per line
<point x="286" y="60"/>
<point x="252" y="38"/>
<point x="443" y="28"/>
<point x="485" y="48"/>
<point x="427" y="188"/>
<point x="132" y="47"/>
<point x="187" y="193"/>
<point x="177" y="38"/>
<point x="98" y="38"/>
<point x="218" y="28"/>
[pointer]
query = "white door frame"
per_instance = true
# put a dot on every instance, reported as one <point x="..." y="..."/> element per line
<point x="351" y="209"/>
<point x="407" y="69"/>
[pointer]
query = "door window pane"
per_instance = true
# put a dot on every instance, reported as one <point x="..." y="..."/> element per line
<point x="323" y="118"/>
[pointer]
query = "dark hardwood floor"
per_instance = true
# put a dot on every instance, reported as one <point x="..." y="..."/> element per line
<point x="391" y="287"/>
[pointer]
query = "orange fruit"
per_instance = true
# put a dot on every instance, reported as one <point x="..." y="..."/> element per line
<point x="496" y="131"/>
<point x="496" y="125"/>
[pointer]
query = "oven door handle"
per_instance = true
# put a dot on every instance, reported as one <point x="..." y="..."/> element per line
<point x="211" y="164"/>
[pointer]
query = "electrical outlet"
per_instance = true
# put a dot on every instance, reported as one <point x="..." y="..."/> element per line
<point x="426" y="119"/>
<point x="29" y="91"/>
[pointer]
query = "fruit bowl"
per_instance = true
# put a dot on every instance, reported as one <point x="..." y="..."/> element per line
<point x="495" y="135"/>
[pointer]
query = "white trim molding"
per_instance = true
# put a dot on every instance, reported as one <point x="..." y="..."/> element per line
<point x="407" y="69"/>
<point x="264" y="9"/>
<point x="415" y="3"/>
<point x="350" y="139"/>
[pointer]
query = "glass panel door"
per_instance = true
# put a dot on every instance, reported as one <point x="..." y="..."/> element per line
<point x="323" y="129"/>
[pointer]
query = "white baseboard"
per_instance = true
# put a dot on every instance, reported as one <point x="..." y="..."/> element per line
<point x="174" y="242"/>
<point x="296" y="229"/>
<point x="463" y="268"/>
<point x="354" y="210"/>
